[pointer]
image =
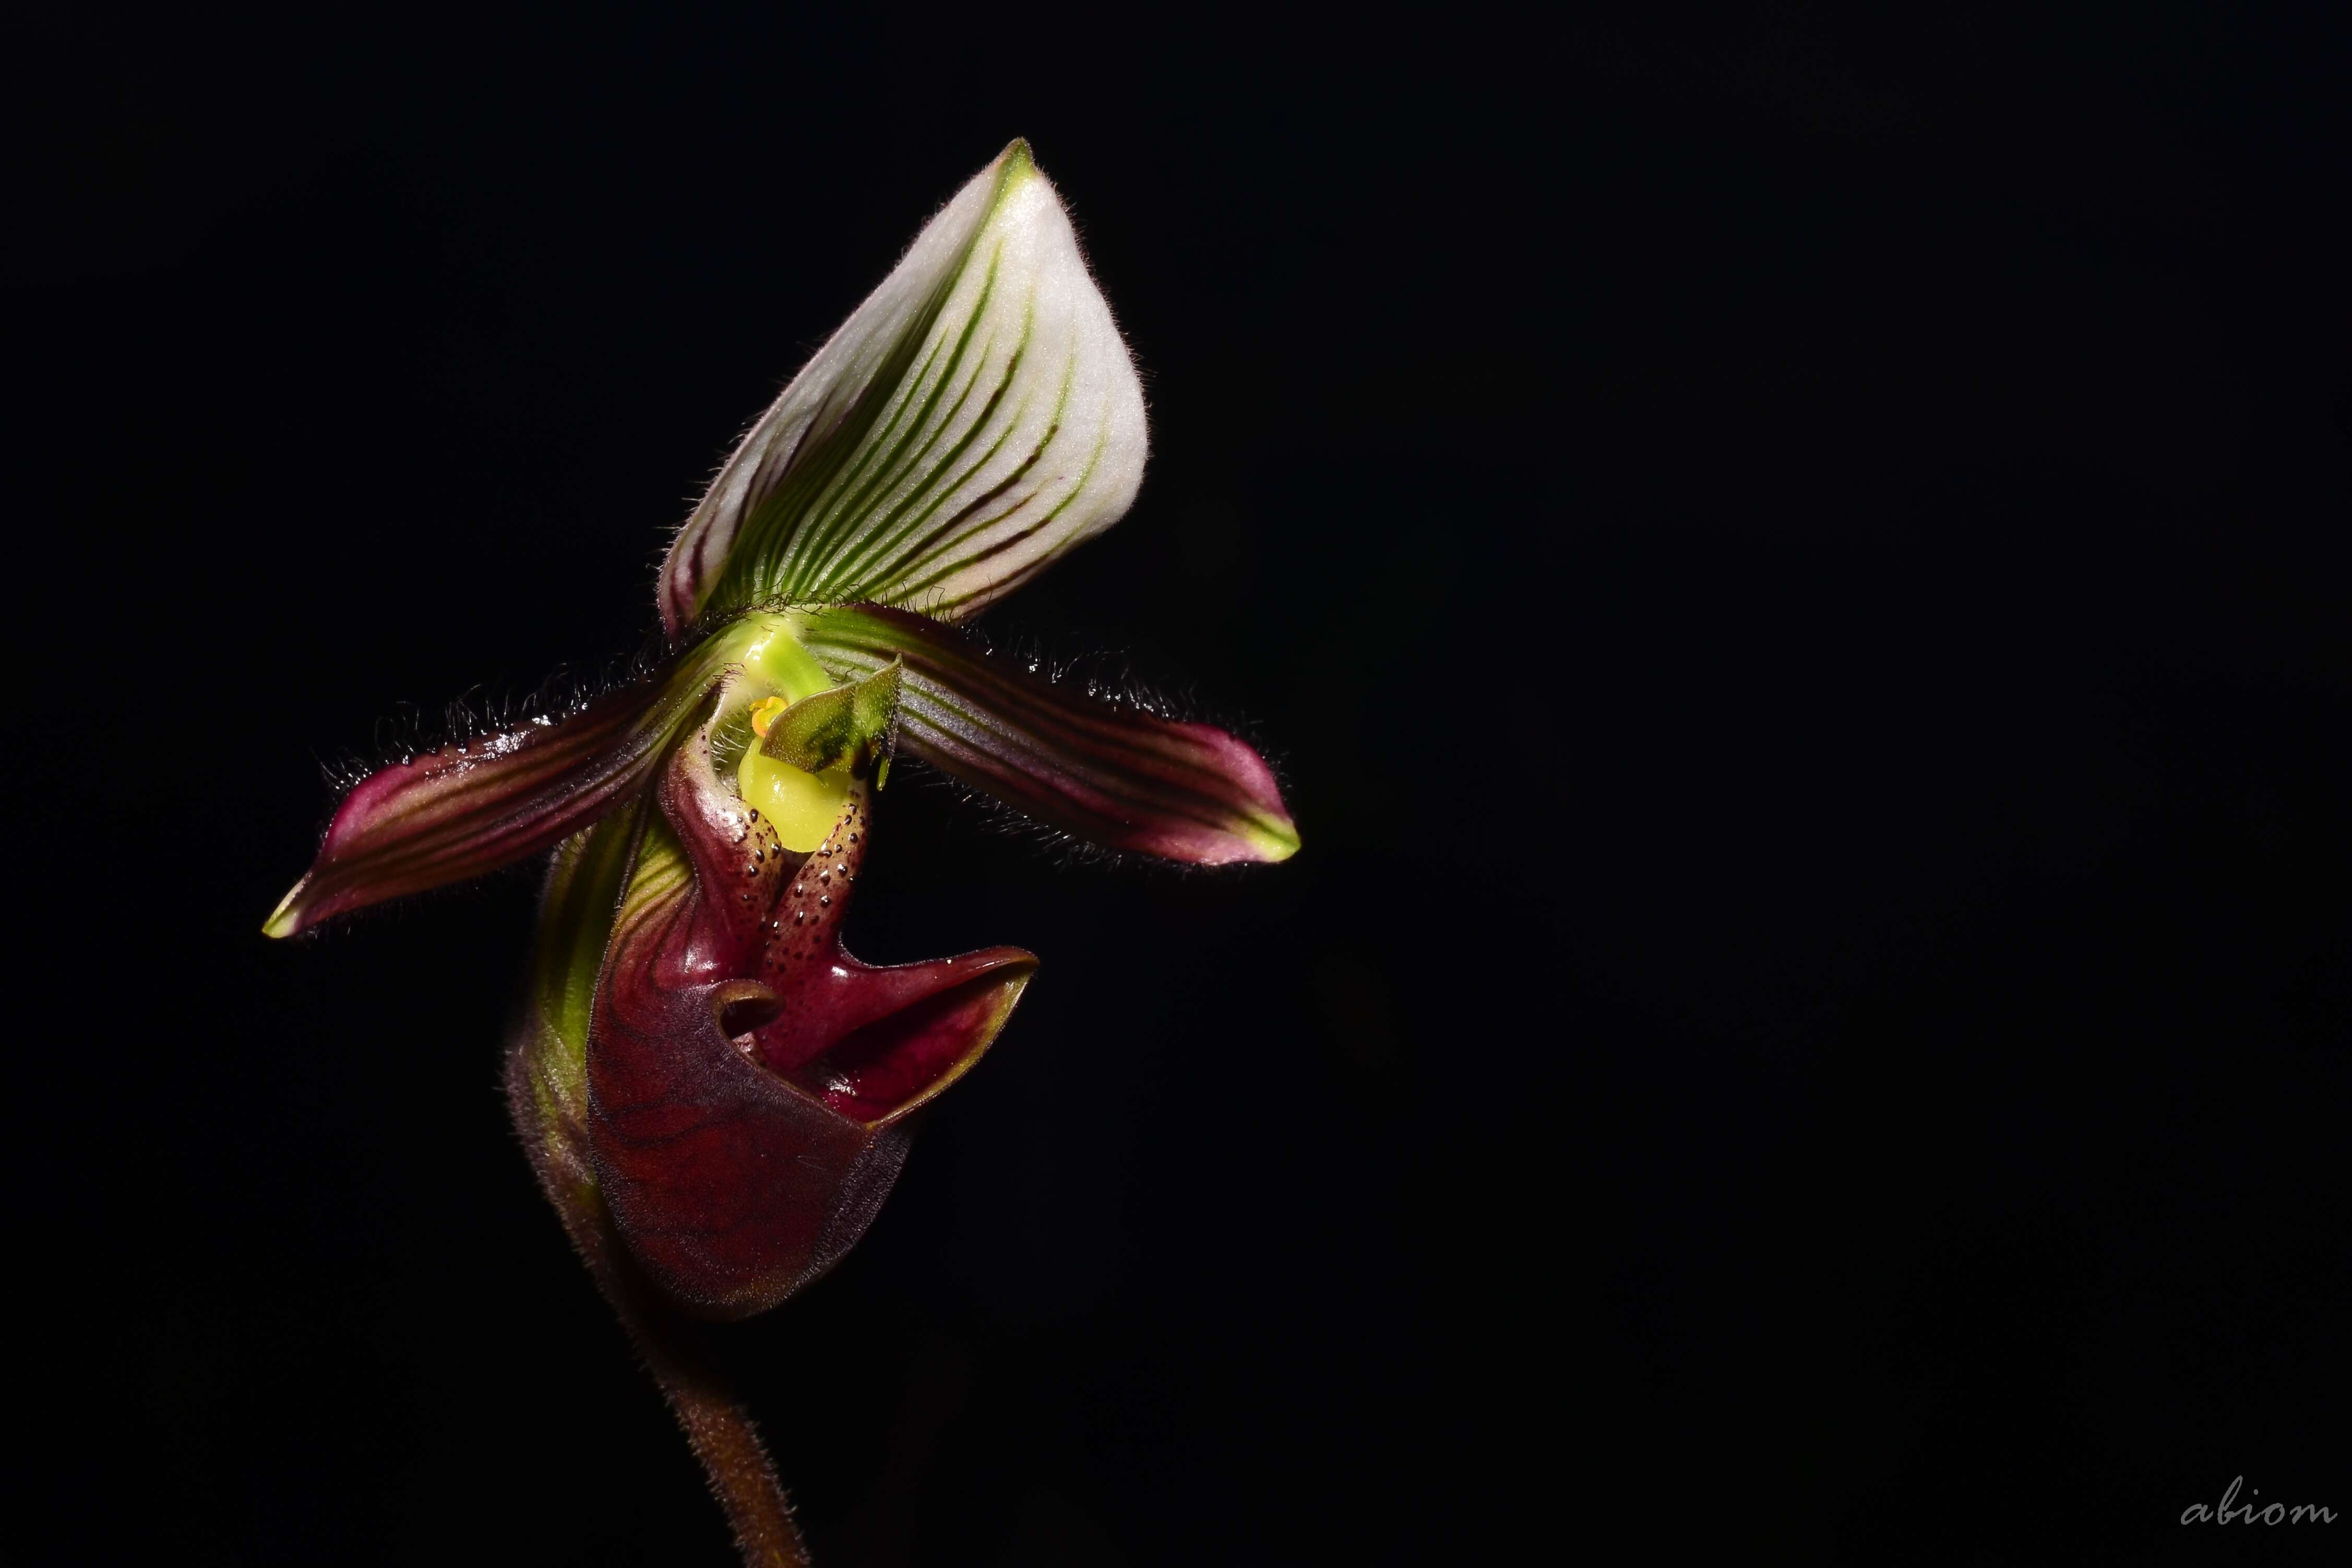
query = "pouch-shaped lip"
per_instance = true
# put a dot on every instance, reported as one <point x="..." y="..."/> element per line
<point x="746" y="1076"/>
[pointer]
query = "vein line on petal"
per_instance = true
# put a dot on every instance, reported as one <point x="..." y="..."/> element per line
<point x="837" y="519"/>
<point x="882" y="547"/>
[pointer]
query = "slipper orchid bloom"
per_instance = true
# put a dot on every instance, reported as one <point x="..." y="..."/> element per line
<point x="716" y="1094"/>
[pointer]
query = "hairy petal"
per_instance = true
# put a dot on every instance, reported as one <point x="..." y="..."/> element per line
<point x="475" y="806"/>
<point x="1181" y="792"/>
<point x="975" y="417"/>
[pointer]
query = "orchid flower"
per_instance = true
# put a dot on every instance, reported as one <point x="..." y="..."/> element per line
<point x="716" y="1095"/>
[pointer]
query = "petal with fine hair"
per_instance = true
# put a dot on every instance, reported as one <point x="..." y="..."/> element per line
<point x="1106" y="774"/>
<point x="473" y="807"/>
<point x="975" y="417"/>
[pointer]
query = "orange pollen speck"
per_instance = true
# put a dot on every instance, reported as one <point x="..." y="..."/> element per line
<point x="763" y="715"/>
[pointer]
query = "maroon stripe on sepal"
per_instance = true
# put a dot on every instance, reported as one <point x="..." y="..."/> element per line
<point x="473" y="807"/>
<point x="1106" y="774"/>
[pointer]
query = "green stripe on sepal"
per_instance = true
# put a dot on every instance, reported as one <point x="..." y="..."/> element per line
<point x="975" y="417"/>
<point x="576" y="911"/>
<point x="546" y="1044"/>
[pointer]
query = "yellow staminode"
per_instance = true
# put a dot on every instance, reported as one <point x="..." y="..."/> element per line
<point x="801" y="806"/>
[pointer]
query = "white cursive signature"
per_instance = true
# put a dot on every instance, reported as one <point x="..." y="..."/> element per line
<point x="2232" y="1511"/>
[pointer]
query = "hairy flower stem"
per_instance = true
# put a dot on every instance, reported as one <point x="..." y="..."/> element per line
<point x="673" y="1347"/>
<point x="717" y="1427"/>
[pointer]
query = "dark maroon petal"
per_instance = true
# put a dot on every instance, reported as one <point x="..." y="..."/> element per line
<point x="748" y="1078"/>
<point x="471" y="807"/>
<point x="1109" y="774"/>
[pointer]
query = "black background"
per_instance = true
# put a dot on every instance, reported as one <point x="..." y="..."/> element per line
<point x="1795" y="569"/>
